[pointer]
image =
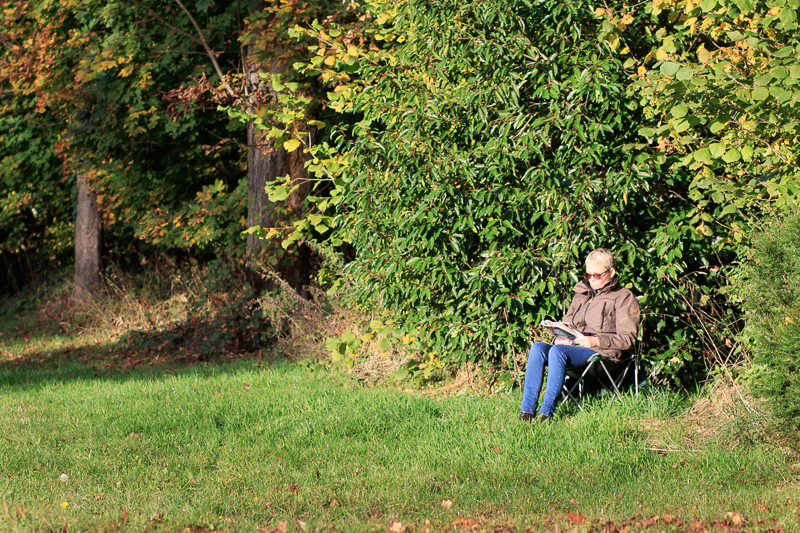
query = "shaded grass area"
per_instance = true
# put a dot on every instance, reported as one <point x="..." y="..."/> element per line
<point x="244" y="445"/>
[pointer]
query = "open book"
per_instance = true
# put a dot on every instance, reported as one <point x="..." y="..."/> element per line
<point x="561" y="329"/>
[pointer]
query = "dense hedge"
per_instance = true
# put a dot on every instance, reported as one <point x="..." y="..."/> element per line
<point x="768" y="284"/>
<point x="495" y="151"/>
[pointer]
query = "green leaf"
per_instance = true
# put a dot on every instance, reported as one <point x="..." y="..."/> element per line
<point x="702" y="155"/>
<point x="708" y="5"/>
<point x="277" y="193"/>
<point x="728" y="209"/>
<point x="682" y="125"/>
<point x="291" y="145"/>
<point x="384" y="344"/>
<point x="745" y="6"/>
<point x="735" y="35"/>
<point x="348" y="336"/>
<point x="747" y="152"/>
<point x="334" y="345"/>
<point x="647" y="132"/>
<point x="679" y="111"/>
<point x="685" y="74"/>
<point x="777" y="92"/>
<point x="760" y="93"/>
<point x="276" y="83"/>
<point x="786" y="51"/>
<point x="763" y="80"/>
<point x="716" y="125"/>
<point x="731" y="156"/>
<point x="779" y="73"/>
<point x="669" y="68"/>
<point x="717" y="149"/>
<point x="787" y="15"/>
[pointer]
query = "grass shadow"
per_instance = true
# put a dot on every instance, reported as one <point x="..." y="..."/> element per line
<point x="36" y="354"/>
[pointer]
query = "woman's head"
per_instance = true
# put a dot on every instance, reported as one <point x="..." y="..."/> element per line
<point x="600" y="268"/>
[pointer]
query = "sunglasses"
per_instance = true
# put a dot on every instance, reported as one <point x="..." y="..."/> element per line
<point x="597" y="276"/>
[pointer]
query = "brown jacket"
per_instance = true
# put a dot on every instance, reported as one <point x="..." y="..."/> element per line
<point x="612" y="315"/>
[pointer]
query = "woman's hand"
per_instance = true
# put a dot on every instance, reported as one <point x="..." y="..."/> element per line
<point x="586" y="342"/>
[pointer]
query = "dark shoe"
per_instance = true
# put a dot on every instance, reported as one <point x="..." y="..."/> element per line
<point x="527" y="417"/>
<point x="542" y="418"/>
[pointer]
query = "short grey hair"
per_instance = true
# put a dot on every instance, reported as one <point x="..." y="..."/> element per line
<point x="601" y="257"/>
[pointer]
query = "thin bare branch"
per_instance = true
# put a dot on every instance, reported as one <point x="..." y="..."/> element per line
<point x="208" y="50"/>
<point x="201" y="41"/>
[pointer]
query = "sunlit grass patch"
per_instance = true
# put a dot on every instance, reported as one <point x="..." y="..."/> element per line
<point x="260" y="445"/>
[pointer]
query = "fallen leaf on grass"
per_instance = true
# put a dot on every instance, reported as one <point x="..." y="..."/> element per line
<point x="293" y="488"/>
<point x="761" y="508"/>
<point x="334" y="502"/>
<point x="397" y="527"/>
<point x="246" y="386"/>
<point x="99" y="496"/>
<point x="573" y="501"/>
<point x="736" y="518"/>
<point x="576" y="518"/>
<point x="464" y="523"/>
<point x="447" y="504"/>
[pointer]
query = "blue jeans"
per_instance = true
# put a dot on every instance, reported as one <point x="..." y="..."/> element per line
<point x="558" y="358"/>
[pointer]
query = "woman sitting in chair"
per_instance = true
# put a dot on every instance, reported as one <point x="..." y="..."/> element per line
<point x="607" y="316"/>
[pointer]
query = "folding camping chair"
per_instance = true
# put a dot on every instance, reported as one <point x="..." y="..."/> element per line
<point x="611" y="377"/>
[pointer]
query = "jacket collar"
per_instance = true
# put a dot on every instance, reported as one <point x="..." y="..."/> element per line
<point x="583" y="287"/>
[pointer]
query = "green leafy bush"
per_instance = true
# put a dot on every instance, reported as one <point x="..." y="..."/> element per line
<point x="494" y="151"/>
<point x="768" y="285"/>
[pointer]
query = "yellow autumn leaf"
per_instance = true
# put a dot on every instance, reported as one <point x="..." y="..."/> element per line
<point x="291" y="145"/>
<point x="330" y="60"/>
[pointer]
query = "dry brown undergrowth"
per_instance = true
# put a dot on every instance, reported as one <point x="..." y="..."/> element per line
<point x="120" y="305"/>
<point x="311" y="321"/>
<point x="711" y="418"/>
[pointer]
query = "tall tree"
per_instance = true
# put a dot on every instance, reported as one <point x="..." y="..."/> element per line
<point x="107" y="73"/>
<point x="88" y="242"/>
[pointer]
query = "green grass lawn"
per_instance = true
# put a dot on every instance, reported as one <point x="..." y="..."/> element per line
<point x="247" y="445"/>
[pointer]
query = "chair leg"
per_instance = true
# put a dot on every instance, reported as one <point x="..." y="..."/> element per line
<point x="579" y="384"/>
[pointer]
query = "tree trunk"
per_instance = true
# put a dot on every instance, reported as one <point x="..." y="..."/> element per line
<point x="264" y="164"/>
<point x="88" y="240"/>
